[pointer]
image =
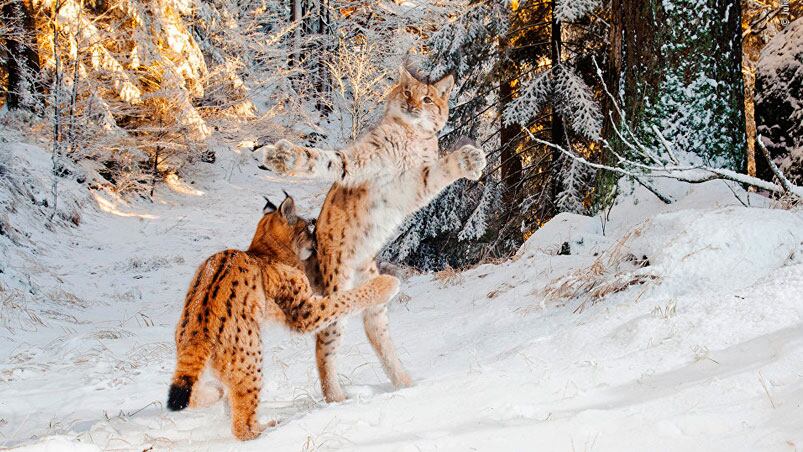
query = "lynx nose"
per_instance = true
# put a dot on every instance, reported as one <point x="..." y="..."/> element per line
<point x="413" y="109"/>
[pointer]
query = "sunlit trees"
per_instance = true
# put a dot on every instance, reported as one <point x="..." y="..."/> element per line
<point x="19" y="56"/>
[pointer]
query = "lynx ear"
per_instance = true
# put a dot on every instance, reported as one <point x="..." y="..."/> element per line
<point x="445" y="85"/>
<point x="404" y="75"/>
<point x="269" y="206"/>
<point x="287" y="209"/>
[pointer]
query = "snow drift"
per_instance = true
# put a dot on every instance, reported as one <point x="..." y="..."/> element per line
<point x="697" y="343"/>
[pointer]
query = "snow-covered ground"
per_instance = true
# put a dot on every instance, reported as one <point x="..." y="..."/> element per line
<point x="665" y="328"/>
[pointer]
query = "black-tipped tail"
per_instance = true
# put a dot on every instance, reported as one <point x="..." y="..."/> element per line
<point x="179" y="396"/>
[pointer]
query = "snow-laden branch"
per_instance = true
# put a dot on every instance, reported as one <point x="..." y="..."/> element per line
<point x="663" y="162"/>
<point x="691" y="174"/>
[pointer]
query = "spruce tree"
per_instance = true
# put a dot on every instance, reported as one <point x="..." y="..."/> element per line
<point x="676" y="65"/>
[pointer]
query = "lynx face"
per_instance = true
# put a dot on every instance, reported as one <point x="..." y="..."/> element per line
<point x="420" y="105"/>
<point x="283" y="225"/>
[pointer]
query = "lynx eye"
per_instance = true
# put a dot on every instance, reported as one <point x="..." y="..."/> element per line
<point x="427" y="100"/>
<point x="407" y="93"/>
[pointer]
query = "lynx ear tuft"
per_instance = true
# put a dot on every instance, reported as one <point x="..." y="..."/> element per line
<point x="269" y="206"/>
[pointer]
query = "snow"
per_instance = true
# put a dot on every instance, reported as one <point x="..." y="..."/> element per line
<point x="704" y="356"/>
<point x="572" y="10"/>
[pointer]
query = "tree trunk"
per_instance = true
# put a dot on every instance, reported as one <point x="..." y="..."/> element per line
<point x="558" y="130"/>
<point x="24" y="85"/>
<point x="676" y="65"/>
<point x="295" y="46"/>
<point x="509" y="140"/>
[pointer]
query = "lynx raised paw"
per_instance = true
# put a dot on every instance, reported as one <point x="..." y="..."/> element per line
<point x="471" y="161"/>
<point x="386" y="287"/>
<point x="281" y="157"/>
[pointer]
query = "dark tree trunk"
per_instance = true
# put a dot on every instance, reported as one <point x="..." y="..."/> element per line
<point x="322" y="82"/>
<point x="24" y="86"/>
<point x="509" y="139"/>
<point x="558" y="130"/>
<point x="295" y="45"/>
<point x="779" y="94"/>
<point x="678" y="69"/>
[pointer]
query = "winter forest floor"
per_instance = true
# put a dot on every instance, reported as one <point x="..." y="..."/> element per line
<point x="691" y="339"/>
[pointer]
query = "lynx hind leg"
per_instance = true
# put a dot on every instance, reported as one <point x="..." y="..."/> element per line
<point x="240" y="368"/>
<point x="375" y="322"/>
<point x="327" y="341"/>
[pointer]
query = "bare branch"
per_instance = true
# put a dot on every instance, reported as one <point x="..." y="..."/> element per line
<point x="785" y="183"/>
<point x="692" y="175"/>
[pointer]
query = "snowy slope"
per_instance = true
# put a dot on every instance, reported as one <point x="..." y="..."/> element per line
<point x="694" y="342"/>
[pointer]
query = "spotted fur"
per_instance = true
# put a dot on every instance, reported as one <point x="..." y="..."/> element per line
<point x="233" y="294"/>
<point x="386" y="175"/>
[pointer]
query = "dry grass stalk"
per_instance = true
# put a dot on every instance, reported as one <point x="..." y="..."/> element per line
<point x="615" y="270"/>
<point x="449" y="277"/>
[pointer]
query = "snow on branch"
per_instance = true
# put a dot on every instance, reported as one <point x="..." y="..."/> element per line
<point x="663" y="167"/>
<point x="571" y="10"/>
<point x="569" y="94"/>
<point x="577" y="102"/>
<point x="533" y="97"/>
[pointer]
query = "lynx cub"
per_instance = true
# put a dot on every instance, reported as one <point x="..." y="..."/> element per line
<point x="234" y="292"/>
<point x="380" y="179"/>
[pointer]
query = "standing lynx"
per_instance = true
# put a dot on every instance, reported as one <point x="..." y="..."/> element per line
<point x="234" y="292"/>
<point x="383" y="177"/>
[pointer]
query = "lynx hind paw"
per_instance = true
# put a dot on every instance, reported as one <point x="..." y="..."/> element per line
<point x="248" y="432"/>
<point x="472" y="161"/>
<point x="386" y="286"/>
<point x="280" y="157"/>
<point x="266" y="424"/>
<point x="205" y="394"/>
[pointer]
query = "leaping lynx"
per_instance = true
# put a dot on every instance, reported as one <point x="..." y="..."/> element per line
<point x="234" y="292"/>
<point x="383" y="177"/>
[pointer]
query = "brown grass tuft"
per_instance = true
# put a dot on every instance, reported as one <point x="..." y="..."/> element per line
<point x="613" y="271"/>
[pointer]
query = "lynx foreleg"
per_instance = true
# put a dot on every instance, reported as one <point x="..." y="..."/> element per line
<point x="308" y="314"/>
<point x="288" y="159"/>
<point x="432" y="178"/>
<point x="353" y="165"/>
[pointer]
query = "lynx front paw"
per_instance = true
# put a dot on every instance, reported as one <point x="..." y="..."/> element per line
<point x="386" y="287"/>
<point x="281" y="157"/>
<point x="471" y="161"/>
